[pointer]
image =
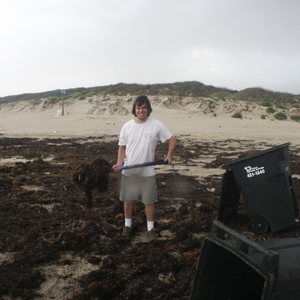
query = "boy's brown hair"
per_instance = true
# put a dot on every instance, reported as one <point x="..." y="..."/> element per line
<point x="140" y="100"/>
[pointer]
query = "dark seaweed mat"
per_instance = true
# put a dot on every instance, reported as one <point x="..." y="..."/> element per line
<point x="129" y="270"/>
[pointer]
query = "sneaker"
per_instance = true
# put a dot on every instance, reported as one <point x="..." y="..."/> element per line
<point x="151" y="235"/>
<point x="127" y="231"/>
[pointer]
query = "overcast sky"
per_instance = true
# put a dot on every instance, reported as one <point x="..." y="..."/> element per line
<point x="237" y="44"/>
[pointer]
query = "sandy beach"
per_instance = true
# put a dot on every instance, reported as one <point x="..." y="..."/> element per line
<point x="91" y="118"/>
<point x="50" y="249"/>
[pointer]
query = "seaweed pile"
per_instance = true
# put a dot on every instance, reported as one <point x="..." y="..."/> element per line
<point x="50" y="249"/>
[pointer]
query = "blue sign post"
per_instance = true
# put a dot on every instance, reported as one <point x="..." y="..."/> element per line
<point x="63" y="93"/>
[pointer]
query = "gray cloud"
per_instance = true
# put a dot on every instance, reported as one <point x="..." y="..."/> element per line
<point x="53" y="44"/>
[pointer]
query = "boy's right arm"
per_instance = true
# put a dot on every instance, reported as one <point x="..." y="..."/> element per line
<point x="121" y="156"/>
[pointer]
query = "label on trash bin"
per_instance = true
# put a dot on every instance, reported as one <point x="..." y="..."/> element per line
<point x="254" y="171"/>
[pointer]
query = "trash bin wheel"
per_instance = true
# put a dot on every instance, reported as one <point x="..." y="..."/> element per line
<point x="259" y="224"/>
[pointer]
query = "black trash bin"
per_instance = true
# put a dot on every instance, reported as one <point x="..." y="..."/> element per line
<point x="230" y="266"/>
<point x="265" y="181"/>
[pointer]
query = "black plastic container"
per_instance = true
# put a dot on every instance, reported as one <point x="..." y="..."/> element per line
<point x="265" y="181"/>
<point x="230" y="266"/>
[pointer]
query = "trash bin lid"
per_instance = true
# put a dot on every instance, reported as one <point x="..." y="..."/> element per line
<point x="259" y="153"/>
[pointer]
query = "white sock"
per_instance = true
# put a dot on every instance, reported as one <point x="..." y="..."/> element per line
<point x="128" y="222"/>
<point x="150" y="225"/>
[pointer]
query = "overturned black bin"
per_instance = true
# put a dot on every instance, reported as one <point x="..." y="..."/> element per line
<point x="230" y="266"/>
<point x="265" y="181"/>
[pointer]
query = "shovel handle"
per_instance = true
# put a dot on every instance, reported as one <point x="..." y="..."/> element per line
<point x="156" y="162"/>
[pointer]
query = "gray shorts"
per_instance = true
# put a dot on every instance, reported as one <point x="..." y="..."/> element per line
<point x="139" y="188"/>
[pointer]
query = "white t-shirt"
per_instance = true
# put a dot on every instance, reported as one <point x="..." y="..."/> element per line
<point x="141" y="141"/>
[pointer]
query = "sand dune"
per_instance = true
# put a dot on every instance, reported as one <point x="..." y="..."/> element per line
<point x="203" y="119"/>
